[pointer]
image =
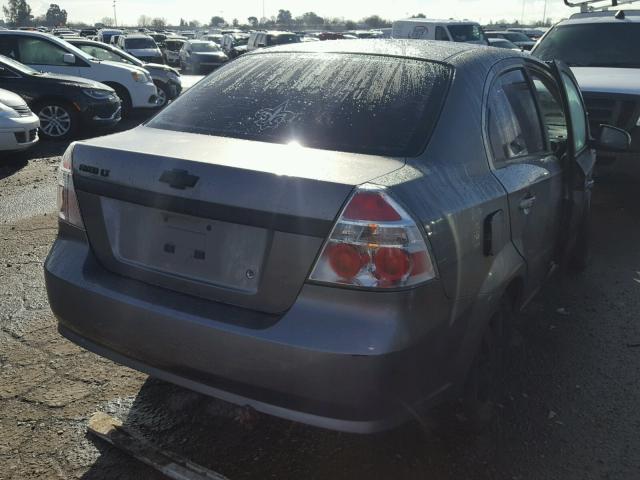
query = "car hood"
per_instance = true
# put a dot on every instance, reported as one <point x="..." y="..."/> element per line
<point x="124" y="66"/>
<point x="10" y="99"/>
<point x="159" y="67"/>
<point x="240" y="48"/>
<point x="144" y="52"/>
<point x="74" y="81"/>
<point x="607" y="80"/>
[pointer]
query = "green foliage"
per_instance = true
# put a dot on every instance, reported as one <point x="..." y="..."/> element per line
<point x="55" y="17"/>
<point x="17" y="13"/>
<point x="216" y="21"/>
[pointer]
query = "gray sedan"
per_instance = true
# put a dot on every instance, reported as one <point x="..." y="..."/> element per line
<point x="337" y="233"/>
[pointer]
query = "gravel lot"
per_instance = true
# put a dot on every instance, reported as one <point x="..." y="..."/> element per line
<point x="572" y="411"/>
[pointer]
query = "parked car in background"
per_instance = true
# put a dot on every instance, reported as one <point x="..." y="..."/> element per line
<point x="47" y="53"/>
<point x="517" y="38"/>
<point x="200" y="56"/>
<point x="105" y="34"/>
<point x="502" y="43"/>
<point x="304" y="234"/>
<point x="18" y="124"/>
<point x="442" y="30"/>
<point x="142" y="47"/>
<point x="88" y="32"/>
<point x="602" y="50"/>
<point x="270" y="39"/>
<point x="65" y="105"/>
<point x="234" y="44"/>
<point x="166" y="79"/>
<point x="114" y="40"/>
<point x="533" y="33"/>
<point x="213" y="37"/>
<point x="173" y="45"/>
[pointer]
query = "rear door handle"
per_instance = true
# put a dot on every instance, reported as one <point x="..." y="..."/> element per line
<point x="527" y="203"/>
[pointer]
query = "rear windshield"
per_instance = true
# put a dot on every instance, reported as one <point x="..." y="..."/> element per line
<point x="282" y="39"/>
<point x="466" y="33"/>
<point x="138" y="43"/>
<point x="352" y="103"/>
<point x="205" y="47"/>
<point x="593" y="45"/>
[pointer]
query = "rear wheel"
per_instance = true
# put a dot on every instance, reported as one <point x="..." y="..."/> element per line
<point x="485" y="384"/>
<point x="58" y="120"/>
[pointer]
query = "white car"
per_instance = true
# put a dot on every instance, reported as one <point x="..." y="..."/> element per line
<point x="18" y="124"/>
<point x="442" y="30"/>
<point x="47" y="53"/>
<point x="142" y="47"/>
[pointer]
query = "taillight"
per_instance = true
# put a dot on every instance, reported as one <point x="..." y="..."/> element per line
<point x="68" y="210"/>
<point x="374" y="244"/>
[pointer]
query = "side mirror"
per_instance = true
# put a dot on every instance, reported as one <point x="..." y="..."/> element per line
<point x="612" y="139"/>
<point x="69" y="58"/>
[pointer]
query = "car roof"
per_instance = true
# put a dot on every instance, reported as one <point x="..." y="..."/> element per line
<point x="449" y="21"/>
<point x="138" y="35"/>
<point x="429" y="50"/>
<point x="630" y="16"/>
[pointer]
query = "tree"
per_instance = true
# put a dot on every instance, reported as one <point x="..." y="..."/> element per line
<point x="183" y="23"/>
<point x="350" y="25"/>
<point x="236" y="23"/>
<point x="55" y="16"/>
<point x="144" y="20"/>
<point x="310" y="19"/>
<point x="107" y="21"/>
<point x="194" y="24"/>
<point x="216" y="21"/>
<point x="159" y="22"/>
<point x="253" y="21"/>
<point x="284" y="17"/>
<point x="18" y="13"/>
<point x="419" y="15"/>
<point x="375" y="21"/>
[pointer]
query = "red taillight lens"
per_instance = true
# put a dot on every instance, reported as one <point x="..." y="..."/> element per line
<point x="68" y="209"/>
<point x="346" y="260"/>
<point x="392" y="264"/>
<point x="370" y="206"/>
<point x="374" y="244"/>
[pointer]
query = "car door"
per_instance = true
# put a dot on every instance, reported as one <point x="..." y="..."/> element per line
<point x="523" y="162"/>
<point x="582" y="157"/>
<point x="45" y="56"/>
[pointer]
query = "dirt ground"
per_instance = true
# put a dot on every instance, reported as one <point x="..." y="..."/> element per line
<point x="572" y="412"/>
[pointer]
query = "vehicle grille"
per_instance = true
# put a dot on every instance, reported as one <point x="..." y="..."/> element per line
<point x="619" y="112"/>
<point x="24" y="137"/>
<point x="23" y="110"/>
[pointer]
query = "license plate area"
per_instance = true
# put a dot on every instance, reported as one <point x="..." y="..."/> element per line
<point x="195" y="249"/>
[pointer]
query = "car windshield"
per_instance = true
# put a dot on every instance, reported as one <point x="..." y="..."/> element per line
<point x="466" y="33"/>
<point x="502" y="44"/>
<point x="11" y="63"/>
<point x="205" y="47"/>
<point x="240" y="40"/>
<point x="282" y="39"/>
<point x="174" y="45"/>
<point x="354" y="103"/>
<point x="593" y="45"/>
<point x="139" y="43"/>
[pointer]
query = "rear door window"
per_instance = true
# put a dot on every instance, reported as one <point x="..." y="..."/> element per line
<point x="441" y="34"/>
<point x="354" y="103"/>
<point x="513" y="123"/>
<point x="551" y="108"/>
<point x="36" y="51"/>
<point x="578" y="115"/>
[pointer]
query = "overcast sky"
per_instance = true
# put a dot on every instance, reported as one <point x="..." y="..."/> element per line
<point x="129" y="11"/>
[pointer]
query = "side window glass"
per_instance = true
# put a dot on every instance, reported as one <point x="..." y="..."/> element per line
<point x="34" y="51"/>
<point x="513" y="123"/>
<point x="553" y="115"/>
<point x="578" y="116"/>
<point x="8" y="47"/>
<point x="441" y="34"/>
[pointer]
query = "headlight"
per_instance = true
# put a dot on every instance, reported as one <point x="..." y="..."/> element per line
<point x="638" y="122"/>
<point x="98" y="94"/>
<point x="8" y="112"/>
<point x="141" y="77"/>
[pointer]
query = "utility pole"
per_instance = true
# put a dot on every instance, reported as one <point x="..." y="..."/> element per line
<point x="263" y="11"/>
<point x="521" y="16"/>
<point x="544" y="15"/>
<point x="115" y="18"/>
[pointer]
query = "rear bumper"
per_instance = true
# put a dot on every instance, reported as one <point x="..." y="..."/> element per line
<point x="347" y="364"/>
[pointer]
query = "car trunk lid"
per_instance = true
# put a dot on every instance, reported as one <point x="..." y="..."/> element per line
<point x="234" y="221"/>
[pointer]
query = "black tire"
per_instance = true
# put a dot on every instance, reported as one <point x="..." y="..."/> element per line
<point x="485" y="384"/>
<point x="125" y="100"/>
<point x="58" y="120"/>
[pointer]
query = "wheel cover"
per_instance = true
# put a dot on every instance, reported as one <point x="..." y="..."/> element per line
<point x="162" y="97"/>
<point x="55" y="121"/>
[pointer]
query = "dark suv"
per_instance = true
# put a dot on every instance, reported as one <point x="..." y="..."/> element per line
<point x="337" y="233"/>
